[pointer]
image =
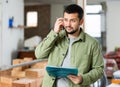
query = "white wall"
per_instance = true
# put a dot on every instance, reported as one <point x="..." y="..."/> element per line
<point x="11" y="37"/>
<point x="113" y="24"/>
<point x="0" y="31"/>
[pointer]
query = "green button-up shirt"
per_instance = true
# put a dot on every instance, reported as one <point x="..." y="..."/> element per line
<point x="85" y="55"/>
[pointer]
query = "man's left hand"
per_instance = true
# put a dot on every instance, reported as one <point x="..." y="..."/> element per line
<point x="75" y="79"/>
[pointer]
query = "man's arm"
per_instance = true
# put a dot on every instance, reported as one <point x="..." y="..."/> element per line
<point x="44" y="48"/>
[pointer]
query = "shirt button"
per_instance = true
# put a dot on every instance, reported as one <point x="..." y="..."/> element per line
<point x="63" y="54"/>
<point x="53" y="78"/>
<point x="54" y="35"/>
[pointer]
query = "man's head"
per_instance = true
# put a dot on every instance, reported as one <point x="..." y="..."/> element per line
<point x="73" y="18"/>
<point x="73" y="8"/>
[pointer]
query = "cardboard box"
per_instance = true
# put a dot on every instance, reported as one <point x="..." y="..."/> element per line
<point x="39" y="82"/>
<point x="40" y="65"/>
<point x="5" y="85"/>
<point x="34" y="73"/>
<point x="18" y="74"/>
<point x="17" y="61"/>
<point x="25" y="82"/>
<point x="7" y="79"/>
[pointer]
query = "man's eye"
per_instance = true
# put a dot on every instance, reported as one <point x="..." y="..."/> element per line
<point x="73" y="20"/>
<point x="65" y="19"/>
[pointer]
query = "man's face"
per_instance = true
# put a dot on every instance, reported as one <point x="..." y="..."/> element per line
<point x="71" y="22"/>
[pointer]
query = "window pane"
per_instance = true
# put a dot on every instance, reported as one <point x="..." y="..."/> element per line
<point x="93" y="8"/>
<point x="93" y="25"/>
<point x="32" y="19"/>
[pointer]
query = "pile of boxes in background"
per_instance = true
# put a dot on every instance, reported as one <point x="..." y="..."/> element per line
<point x="23" y="76"/>
<point x="112" y="61"/>
<point x="111" y="67"/>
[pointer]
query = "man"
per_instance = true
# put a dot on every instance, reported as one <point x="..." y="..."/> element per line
<point x="67" y="45"/>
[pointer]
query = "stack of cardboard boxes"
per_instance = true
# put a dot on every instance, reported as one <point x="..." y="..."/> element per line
<point x="23" y="76"/>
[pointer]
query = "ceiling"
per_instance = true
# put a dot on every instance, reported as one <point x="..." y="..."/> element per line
<point x="60" y="1"/>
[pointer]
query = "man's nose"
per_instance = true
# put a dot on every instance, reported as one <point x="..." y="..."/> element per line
<point x="68" y="23"/>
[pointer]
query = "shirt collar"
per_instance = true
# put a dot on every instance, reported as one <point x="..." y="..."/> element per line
<point x="81" y="37"/>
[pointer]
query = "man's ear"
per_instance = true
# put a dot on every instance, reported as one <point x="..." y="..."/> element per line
<point x="81" y="21"/>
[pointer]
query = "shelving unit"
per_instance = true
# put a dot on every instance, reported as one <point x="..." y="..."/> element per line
<point x="19" y="27"/>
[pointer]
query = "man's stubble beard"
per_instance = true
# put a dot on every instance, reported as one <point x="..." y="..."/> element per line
<point x="72" y="32"/>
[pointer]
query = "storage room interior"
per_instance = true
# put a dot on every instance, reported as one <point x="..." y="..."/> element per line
<point x="25" y="23"/>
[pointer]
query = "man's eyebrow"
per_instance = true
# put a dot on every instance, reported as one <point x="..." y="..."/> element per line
<point x="72" y="18"/>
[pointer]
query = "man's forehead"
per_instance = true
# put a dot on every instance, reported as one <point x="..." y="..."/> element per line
<point x="71" y="14"/>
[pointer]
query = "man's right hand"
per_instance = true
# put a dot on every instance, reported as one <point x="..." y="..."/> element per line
<point x="59" y="25"/>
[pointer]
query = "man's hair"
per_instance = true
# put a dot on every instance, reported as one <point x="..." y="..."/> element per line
<point x="74" y="8"/>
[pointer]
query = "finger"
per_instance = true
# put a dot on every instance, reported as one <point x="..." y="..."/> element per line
<point x="72" y="76"/>
<point x="60" y="19"/>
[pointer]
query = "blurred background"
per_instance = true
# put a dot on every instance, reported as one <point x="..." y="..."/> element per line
<point x="24" y="24"/>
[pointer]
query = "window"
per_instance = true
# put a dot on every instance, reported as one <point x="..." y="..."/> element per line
<point x="32" y="19"/>
<point x="93" y="20"/>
